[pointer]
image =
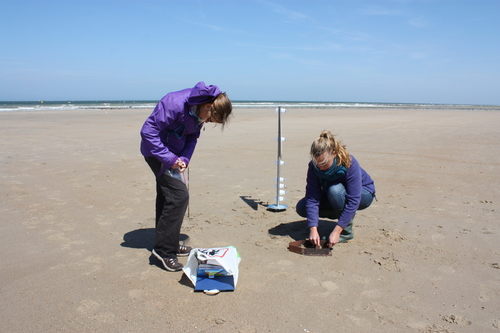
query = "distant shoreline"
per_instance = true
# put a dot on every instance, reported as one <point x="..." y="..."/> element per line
<point x="12" y="106"/>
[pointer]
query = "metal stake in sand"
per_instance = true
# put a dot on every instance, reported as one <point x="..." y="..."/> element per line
<point x="187" y="184"/>
<point x="279" y="185"/>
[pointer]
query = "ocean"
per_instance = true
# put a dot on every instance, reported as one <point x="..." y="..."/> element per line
<point x="7" y="106"/>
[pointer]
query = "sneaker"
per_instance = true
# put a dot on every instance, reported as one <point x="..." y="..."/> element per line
<point x="183" y="250"/>
<point x="170" y="264"/>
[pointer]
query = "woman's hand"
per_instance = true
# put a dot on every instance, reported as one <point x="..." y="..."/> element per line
<point x="314" y="236"/>
<point x="181" y="166"/>
<point x="334" y="236"/>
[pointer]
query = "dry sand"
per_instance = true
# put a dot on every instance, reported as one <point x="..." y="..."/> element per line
<point x="77" y="217"/>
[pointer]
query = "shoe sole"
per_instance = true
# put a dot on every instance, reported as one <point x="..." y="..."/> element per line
<point x="164" y="263"/>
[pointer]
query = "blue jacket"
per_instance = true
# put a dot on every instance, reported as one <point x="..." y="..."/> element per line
<point x="354" y="181"/>
<point x="172" y="130"/>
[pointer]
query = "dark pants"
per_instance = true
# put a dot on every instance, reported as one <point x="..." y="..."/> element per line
<point x="172" y="198"/>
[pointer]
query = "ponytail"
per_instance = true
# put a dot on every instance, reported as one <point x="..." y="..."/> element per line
<point x="328" y="143"/>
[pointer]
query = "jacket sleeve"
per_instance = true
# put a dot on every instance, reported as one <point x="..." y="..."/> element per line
<point x="150" y="133"/>
<point x="313" y="197"/>
<point x="353" y="187"/>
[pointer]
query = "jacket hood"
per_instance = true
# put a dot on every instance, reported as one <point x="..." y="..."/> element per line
<point x="202" y="94"/>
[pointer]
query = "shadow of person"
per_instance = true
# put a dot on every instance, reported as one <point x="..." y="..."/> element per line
<point x="298" y="230"/>
<point x="140" y="239"/>
<point x="145" y="239"/>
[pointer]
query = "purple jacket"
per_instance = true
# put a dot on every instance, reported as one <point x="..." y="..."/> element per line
<point x="172" y="130"/>
<point x="354" y="181"/>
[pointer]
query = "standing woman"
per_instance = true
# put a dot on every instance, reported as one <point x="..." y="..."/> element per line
<point x="336" y="188"/>
<point x="169" y="137"/>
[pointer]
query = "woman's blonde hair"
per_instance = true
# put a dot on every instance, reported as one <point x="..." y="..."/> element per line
<point x="221" y="109"/>
<point x="327" y="142"/>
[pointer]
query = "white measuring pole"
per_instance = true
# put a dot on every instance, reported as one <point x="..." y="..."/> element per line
<point x="279" y="180"/>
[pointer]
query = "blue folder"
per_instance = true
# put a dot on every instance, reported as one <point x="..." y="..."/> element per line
<point x="213" y="277"/>
<point x="217" y="282"/>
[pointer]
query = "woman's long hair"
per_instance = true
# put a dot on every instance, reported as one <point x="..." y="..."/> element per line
<point x="221" y="109"/>
<point x="327" y="142"/>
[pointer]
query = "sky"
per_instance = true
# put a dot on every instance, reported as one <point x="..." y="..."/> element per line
<point x="388" y="51"/>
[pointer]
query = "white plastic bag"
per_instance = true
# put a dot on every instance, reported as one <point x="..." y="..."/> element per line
<point x="219" y="269"/>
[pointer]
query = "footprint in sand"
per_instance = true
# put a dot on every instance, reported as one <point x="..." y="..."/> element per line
<point x="88" y="307"/>
<point x="329" y="285"/>
<point x="97" y="264"/>
<point x="93" y="259"/>
<point x="359" y="279"/>
<point x="393" y="235"/>
<point x="374" y="293"/>
<point x="57" y="236"/>
<point x="389" y="263"/>
<point x="447" y="269"/>
<point x="312" y="281"/>
<point x="360" y="322"/>
<point x="438" y="237"/>
<point x="457" y="320"/>
<point x="105" y="317"/>
<point x="281" y="263"/>
<point x="438" y="329"/>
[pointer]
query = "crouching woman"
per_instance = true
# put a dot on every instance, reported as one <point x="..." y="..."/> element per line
<point x="336" y="188"/>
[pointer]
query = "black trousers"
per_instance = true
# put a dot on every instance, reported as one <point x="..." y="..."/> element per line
<point x="172" y="198"/>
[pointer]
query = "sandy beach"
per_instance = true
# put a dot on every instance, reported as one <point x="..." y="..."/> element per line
<point x="77" y="225"/>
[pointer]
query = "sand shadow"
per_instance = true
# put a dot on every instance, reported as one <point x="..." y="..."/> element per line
<point x="253" y="203"/>
<point x="145" y="239"/>
<point x="298" y="230"/>
<point x="140" y="239"/>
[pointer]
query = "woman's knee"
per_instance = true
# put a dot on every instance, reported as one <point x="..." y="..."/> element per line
<point x="300" y="208"/>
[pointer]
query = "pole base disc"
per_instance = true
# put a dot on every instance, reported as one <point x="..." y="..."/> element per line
<point x="277" y="208"/>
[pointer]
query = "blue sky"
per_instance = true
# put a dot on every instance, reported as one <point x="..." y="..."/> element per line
<point x="347" y="51"/>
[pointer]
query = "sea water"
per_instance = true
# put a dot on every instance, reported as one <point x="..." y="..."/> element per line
<point x="6" y="106"/>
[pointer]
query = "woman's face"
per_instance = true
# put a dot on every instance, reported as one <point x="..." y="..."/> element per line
<point x="205" y="111"/>
<point x="324" y="161"/>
